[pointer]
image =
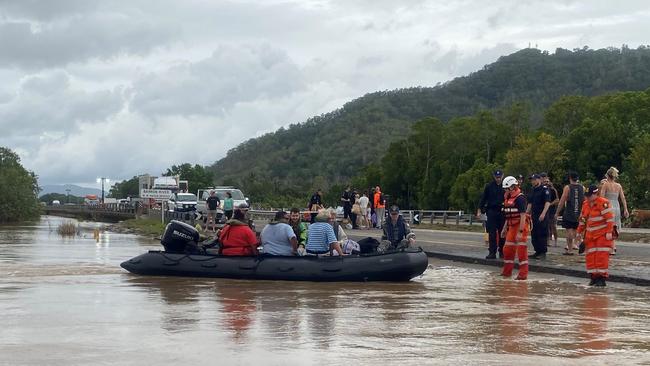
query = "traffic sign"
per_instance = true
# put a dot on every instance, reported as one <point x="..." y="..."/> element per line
<point x="157" y="194"/>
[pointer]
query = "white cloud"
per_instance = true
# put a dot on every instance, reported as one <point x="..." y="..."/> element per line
<point x="118" y="88"/>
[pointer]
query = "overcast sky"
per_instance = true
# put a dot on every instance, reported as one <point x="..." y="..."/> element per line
<point x="121" y="88"/>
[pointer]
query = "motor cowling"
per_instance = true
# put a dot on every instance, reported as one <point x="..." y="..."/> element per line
<point x="179" y="237"/>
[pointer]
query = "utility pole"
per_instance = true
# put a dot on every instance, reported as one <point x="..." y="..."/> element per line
<point x="102" y="179"/>
<point x="67" y="190"/>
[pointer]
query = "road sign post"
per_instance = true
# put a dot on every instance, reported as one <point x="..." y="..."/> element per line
<point x="158" y="195"/>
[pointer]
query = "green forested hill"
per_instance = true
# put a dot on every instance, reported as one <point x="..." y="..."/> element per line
<point x="332" y="148"/>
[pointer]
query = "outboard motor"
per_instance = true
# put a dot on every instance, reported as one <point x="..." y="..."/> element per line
<point x="180" y="237"/>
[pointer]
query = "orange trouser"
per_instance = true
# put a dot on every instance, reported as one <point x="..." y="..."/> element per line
<point x="597" y="256"/>
<point x="512" y="247"/>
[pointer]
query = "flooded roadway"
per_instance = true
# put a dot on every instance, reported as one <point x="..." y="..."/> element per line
<point x="67" y="302"/>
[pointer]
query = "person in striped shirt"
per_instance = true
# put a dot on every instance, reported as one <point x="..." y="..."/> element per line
<point x="321" y="238"/>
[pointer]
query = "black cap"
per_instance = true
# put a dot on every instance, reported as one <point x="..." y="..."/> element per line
<point x="543" y="175"/>
<point x="242" y="206"/>
<point x="393" y="209"/>
<point x="534" y="176"/>
<point x="592" y="189"/>
<point x="498" y="173"/>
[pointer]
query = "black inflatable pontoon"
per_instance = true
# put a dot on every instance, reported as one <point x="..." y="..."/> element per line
<point x="401" y="265"/>
<point x="396" y="266"/>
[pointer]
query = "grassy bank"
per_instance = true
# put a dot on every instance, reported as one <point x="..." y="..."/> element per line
<point x="145" y="227"/>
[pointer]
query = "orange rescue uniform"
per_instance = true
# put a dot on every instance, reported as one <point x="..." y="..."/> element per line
<point x="514" y="206"/>
<point x="596" y="221"/>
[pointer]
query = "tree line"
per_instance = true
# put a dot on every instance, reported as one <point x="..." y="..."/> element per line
<point x="445" y="165"/>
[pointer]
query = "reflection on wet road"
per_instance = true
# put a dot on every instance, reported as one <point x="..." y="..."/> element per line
<point x="66" y="301"/>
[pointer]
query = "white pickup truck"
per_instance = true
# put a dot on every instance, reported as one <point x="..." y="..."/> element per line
<point x="203" y="194"/>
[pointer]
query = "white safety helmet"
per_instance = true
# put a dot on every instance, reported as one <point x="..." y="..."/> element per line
<point x="509" y="181"/>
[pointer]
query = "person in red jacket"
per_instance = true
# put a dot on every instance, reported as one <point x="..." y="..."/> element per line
<point x="596" y="226"/>
<point x="236" y="237"/>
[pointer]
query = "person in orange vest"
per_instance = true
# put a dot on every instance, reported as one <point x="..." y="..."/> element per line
<point x="515" y="230"/>
<point x="596" y="226"/>
<point x="380" y="205"/>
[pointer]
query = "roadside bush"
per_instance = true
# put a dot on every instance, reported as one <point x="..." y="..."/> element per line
<point x="67" y="229"/>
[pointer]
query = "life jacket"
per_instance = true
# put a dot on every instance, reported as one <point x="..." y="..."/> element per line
<point x="391" y="235"/>
<point x="596" y="218"/>
<point x="510" y="210"/>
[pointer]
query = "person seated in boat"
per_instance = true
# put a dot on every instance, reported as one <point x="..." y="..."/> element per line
<point x="347" y="245"/>
<point x="299" y="228"/>
<point x="278" y="237"/>
<point x="236" y="237"/>
<point x="321" y="238"/>
<point x="341" y="236"/>
<point x="397" y="233"/>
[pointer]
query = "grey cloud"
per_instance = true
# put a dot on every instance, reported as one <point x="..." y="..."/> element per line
<point x="48" y="104"/>
<point x="211" y="86"/>
<point x="45" y="10"/>
<point x="78" y="39"/>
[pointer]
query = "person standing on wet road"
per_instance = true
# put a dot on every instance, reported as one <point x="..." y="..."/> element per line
<point x="491" y="204"/>
<point x="552" y="222"/>
<point x="571" y="203"/>
<point x="515" y="230"/>
<point x="539" y="201"/>
<point x="597" y="222"/>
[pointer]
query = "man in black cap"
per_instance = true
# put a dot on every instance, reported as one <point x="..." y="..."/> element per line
<point x="539" y="201"/>
<point x="396" y="230"/>
<point x="491" y="204"/>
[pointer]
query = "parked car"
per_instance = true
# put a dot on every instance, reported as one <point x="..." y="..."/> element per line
<point x="182" y="202"/>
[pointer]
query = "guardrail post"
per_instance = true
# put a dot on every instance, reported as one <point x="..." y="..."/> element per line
<point x="458" y="218"/>
<point x="431" y="219"/>
<point x="444" y="218"/>
<point x="471" y="219"/>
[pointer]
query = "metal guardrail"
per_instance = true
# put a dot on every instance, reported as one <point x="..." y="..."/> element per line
<point x="425" y="216"/>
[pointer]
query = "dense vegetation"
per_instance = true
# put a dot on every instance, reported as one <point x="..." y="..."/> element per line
<point x="125" y="188"/>
<point x="446" y="165"/>
<point x="63" y="198"/>
<point x="512" y="94"/>
<point x="18" y="196"/>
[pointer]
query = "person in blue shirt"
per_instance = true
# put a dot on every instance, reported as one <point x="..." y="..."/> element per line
<point x="278" y="237"/>
<point x="321" y="238"/>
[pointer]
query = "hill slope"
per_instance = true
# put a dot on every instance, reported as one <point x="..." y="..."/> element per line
<point x="337" y="144"/>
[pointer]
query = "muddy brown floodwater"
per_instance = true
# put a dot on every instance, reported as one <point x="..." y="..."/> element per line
<point x="66" y="301"/>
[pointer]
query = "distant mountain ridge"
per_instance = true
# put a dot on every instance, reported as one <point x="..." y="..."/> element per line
<point x="333" y="147"/>
<point x="75" y="190"/>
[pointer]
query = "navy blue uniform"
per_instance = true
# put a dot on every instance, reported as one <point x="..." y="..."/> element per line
<point x="539" y="235"/>
<point x="491" y="204"/>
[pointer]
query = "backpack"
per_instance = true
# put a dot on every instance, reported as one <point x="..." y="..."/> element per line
<point x="368" y="245"/>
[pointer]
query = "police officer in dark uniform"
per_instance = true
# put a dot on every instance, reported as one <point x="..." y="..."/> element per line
<point x="491" y="204"/>
<point x="539" y="201"/>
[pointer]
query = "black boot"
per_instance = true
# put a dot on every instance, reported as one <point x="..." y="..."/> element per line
<point x="592" y="281"/>
<point x="491" y="256"/>
<point x="600" y="282"/>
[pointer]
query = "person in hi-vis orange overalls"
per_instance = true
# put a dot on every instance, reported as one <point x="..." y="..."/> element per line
<point x="515" y="230"/>
<point x="596" y="226"/>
